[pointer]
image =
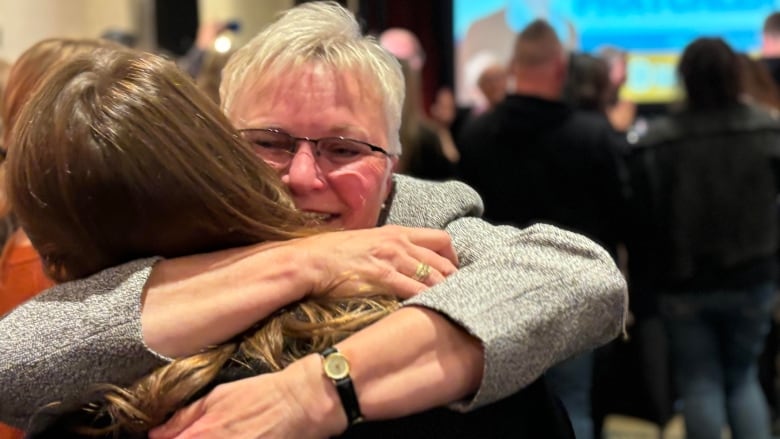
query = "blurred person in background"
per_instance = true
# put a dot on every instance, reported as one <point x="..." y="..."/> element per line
<point x="424" y="155"/>
<point x="430" y="150"/>
<point x="630" y="375"/>
<point x="770" y="45"/>
<point x="213" y="44"/>
<point x="536" y="160"/>
<point x="621" y="112"/>
<point x="492" y="84"/>
<point x="758" y="87"/>
<point x="491" y="88"/>
<point x="493" y="35"/>
<point x="588" y="86"/>
<point x="209" y="74"/>
<point x="704" y="239"/>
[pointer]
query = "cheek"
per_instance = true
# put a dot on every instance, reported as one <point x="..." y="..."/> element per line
<point x="363" y="189"/>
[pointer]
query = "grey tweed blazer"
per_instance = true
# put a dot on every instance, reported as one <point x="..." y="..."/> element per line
<point x="533" y="297"/>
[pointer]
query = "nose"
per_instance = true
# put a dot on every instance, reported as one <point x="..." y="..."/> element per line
<point x="304" y="174"/>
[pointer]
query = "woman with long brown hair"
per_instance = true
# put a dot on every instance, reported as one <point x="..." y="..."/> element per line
<point x="118" y="157"/>
<point x="21" y="274"/>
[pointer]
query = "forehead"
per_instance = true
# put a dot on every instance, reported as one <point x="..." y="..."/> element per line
<point x="313" y="100"/>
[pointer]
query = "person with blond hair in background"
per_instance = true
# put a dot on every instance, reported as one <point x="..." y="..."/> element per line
<point x="322" y="104"/>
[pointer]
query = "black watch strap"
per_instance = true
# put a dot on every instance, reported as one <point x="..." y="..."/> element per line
<point x="346" y="391"/>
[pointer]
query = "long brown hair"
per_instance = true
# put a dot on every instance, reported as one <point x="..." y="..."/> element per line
<point x="118" y="156"/>
<point x="25" y="76"/>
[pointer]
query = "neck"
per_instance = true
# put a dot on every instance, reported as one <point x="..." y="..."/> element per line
<point x="538" y="86"/>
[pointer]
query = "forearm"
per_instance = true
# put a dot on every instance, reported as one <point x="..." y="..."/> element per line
<point x="70" y="337"/>
<point x="119" y="324"/>
<point x="410" y="361"/>
<point x="197" y="301"/>
<point x="533" y="297"/>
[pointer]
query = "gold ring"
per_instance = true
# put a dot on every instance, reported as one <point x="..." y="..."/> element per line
<point x="422" y="272"/>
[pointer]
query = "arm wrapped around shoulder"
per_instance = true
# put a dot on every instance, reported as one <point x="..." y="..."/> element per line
<point x="72" y="336"/>
<point x="533" y="296"/>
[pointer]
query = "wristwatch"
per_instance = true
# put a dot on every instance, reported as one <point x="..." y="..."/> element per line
<point x="336" y="367"/>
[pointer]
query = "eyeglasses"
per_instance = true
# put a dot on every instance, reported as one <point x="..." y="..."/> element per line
<point x="278" y="148"/>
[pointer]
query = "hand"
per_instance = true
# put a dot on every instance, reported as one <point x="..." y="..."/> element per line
<point x="622" y="115"/>
<point x="384" y="258"/>
<point x="298" y="402"/>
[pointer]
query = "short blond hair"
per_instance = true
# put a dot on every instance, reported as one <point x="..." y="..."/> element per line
<point x="324" y="33"/>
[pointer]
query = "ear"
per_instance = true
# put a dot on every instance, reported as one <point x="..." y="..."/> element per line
<point x="562" y="68"/>
<point x="392" y="166"/>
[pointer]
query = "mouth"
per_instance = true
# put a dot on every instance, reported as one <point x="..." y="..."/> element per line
<point x="322" y="217"/>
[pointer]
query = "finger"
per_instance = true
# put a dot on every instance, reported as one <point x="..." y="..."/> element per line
<point x="437" y="240"/>
<point x="423" y="273"/>
<point x="440" y="263"/>
<point x="403" y="286"/>
<point x="408" y="280"/>
<point x="180" y="421"/>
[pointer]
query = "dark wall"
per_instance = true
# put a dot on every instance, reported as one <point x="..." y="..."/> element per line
<point x="431" y="21"/>
<point x="176" y="24"/>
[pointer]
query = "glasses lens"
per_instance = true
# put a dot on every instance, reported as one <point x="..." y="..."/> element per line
<point x="340" y="151"/>
<point x="271" y="146"/>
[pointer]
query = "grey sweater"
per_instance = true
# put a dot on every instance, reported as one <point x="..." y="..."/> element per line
<point x="533" y="297"/>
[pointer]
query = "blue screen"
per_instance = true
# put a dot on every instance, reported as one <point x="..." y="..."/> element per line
<point x="654" y="32"/>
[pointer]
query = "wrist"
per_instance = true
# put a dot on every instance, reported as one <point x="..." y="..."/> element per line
<point x="316" y="277"/>
<point x="317" y="396"/>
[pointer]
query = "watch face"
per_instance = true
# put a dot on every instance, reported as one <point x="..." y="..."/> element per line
<point x="336" y="366"/>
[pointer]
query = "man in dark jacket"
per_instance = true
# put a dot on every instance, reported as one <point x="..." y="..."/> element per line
<point x="534" y="159"/>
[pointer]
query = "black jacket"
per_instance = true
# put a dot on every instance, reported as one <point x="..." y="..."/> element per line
<point x="704" y="209"/>
<point x="535" y="160"/>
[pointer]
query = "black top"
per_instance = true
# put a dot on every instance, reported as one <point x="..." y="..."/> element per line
<point x="533" y="412"/>
<point x="427" y="159"/>
<point x="535" y="160"/>
<point x="704" y="191"/>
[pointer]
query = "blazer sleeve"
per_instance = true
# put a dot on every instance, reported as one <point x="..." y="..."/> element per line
<point x="57" y="345"/>
<point x="533" y="296"/>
